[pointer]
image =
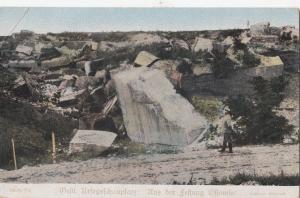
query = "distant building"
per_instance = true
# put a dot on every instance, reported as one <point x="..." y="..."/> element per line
<point x="264" y="39"/>
<point x="262" y="28"/>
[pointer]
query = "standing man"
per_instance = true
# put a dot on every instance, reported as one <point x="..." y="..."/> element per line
<point x="228" y="132"/>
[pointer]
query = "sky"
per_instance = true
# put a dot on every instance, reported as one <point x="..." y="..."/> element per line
<point x="43" y="20"/>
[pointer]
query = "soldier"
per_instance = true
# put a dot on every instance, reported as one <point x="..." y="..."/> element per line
<point x="228" y="132"/>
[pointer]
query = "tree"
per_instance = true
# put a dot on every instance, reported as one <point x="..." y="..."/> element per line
<point x="221" y="65"/>
<point x="255" y="114"/>
<point x="238" y="45"/>
<point x="249" y="59"/>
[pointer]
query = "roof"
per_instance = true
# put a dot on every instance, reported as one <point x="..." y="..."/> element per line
<point x="145" y="59"/>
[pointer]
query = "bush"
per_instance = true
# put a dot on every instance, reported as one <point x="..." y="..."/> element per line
<point x="240" y="178"/>
<point x="238" y="45"/>
<point x="246" y="57"/>
<point x="255" y="114"/>
<point x="250" y="60"/>
<point x="208" y="107"/>
<point x="221" y="65"/>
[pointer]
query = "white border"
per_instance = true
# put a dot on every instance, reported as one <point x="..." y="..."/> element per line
<point x="151" y="3"/>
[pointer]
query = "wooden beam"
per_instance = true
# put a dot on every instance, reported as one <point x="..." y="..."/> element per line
<point x="53" y="148"/>
<point x="14" y="153"/>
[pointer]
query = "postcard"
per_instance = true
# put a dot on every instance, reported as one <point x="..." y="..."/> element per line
<point x="153" y="102"/>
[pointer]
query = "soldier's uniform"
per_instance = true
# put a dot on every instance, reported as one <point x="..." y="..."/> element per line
<point x="228" y="134"/>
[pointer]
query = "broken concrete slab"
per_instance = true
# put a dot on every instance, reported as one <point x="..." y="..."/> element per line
<point x="69" y="52"/>
<point x="42" y="45"/>
<point x="91" y="141"/>
<point x="68" y="81"/>
<point x="202" y="44"/>
<point x="24" y="49"/>
<point x="20" y="88"/>
<point x="56" y="62"/>
<point x="93" y="45"/>
<point x="178" y="43"/>
<point x="142" y="39"/>
<point x="270" y="67"/>
<point x="145" y="59"/>
<point x="86" y="82"/>
<point x="152" y="110"/>
<point x="199" y="70"/>
<point x="228" y="40"/>
<point x="49" y="53"/>
<point x="22" y="64"/>
<point x="70" y="96"/>
<point x="101" y="74"/>
<point x="88" y="68"/>
<point x="109" y="105"/>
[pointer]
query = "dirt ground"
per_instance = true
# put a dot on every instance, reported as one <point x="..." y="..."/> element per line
<point x="166" y="168"/>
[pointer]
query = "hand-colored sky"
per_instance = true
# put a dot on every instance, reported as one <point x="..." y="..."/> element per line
<point x="42" y="20"/>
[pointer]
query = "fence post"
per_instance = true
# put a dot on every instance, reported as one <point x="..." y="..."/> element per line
<point x="53" y="148"/>
<point x="14" y="153"/>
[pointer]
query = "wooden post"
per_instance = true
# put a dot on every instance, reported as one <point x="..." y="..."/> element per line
<point x="53" y="148"/>
<point x="14" y="153"/>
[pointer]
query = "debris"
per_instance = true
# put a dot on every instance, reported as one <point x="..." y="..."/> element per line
<point x="201" y="70"/>
<point x="202" y="44"/>
<point x="93" y="45"/>
<point x="262" y="28"/>
<point x="22" y="64"/>
<point x="109" y="105"/>
<point x="72" y="53"/>
<point x="145" y="59"/>
<point x="56" y="62"/>
<point x="87" y="68"/>
<point x="71" y="96"/>
<point x="49" y="53"/>
<point x="220" y="46"/>
<point x="91" y="141"/>
<point x="270" y="67"/>
<point x="109" y="89"/>
<point x="152" y="110"/>
<point x="101" y="74"/>
<point x="68" y="82"/>
<point x="228" y="41"/>
<point x="178" y="43"/>
<point x="24" y="49"/>
<point x="86" y="82"/>
<point x="271" y="61"/>
<point x="33" y="86"/>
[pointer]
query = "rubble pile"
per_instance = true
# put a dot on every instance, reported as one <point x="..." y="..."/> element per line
<point x="136" y="84"/>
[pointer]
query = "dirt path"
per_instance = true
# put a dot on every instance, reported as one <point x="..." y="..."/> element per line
<point x="165" y="168"/>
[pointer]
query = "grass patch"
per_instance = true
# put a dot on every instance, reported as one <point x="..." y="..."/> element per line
<point x="126" y="148"/>
<point x="277" y="180"/>
<point x="208" y="107"/>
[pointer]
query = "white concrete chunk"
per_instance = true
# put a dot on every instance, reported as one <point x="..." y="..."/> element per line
<point x="152" y="110"/>
<point x="91" y="141"/>
<point x="24" y="49"/>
